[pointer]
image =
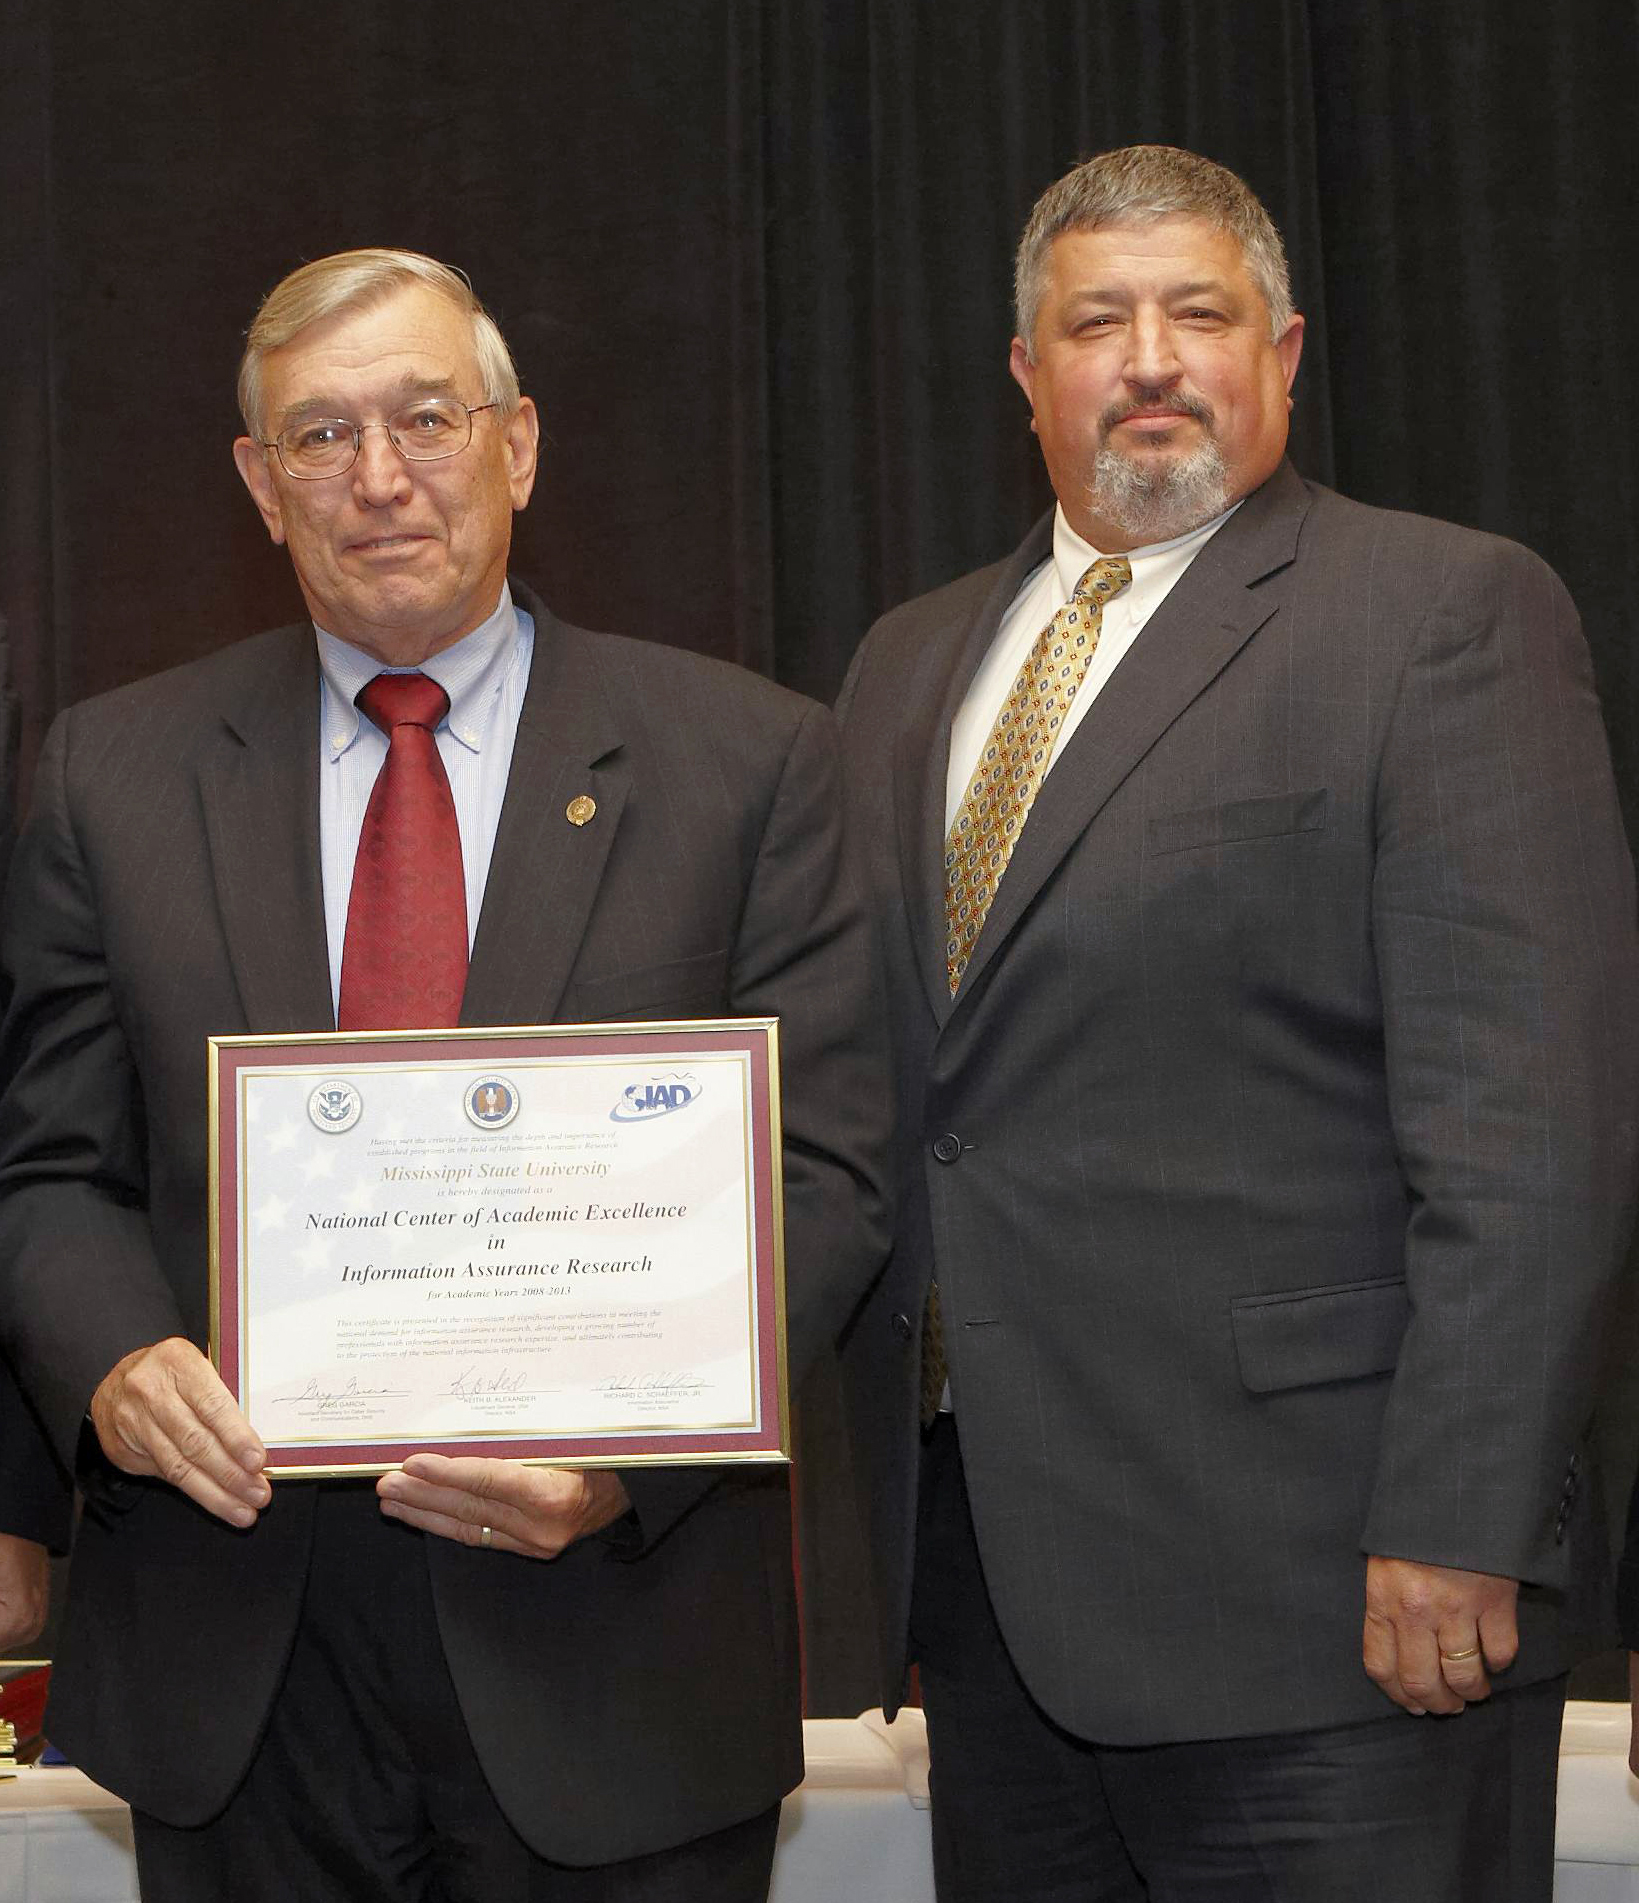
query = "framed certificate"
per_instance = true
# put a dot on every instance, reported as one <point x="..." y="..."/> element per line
<point x="557" y="1243"/>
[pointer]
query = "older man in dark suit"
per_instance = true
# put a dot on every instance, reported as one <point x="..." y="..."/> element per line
<point x="474" y="1679"/>
<point x="1260" y="933"/>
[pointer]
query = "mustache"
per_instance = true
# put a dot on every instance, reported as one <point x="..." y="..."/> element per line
<point x="1155" y="404"/>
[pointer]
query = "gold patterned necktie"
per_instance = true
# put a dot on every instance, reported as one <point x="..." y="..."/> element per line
<point x="997" y="802"/>
<point x="1014" y="758"/>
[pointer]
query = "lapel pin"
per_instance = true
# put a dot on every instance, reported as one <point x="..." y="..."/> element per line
<point x="580" y="809"/>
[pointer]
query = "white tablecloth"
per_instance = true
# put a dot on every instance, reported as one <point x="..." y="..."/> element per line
<point x="63" y="1840"/>
<point x="1597" y="1844"/>
<point x="856" y="1832"/>
<point x="856" y="1829"/>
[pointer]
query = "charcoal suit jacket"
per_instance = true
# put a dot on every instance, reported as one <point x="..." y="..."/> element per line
<point x="1276" y="1156"/>
<point x="640" y="1690"/>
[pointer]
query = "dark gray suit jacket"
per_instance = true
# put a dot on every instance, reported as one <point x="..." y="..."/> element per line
<point x="1277" y="1155"/>
<point x="167" y="886"/>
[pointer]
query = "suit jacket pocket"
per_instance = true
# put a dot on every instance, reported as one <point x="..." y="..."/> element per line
<point x="683" y="987"/>
<point x="1239" y="820"/>
<point x="1304" y="1336"/>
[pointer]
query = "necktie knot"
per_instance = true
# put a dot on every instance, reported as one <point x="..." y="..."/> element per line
<point x="1104" y="580"/>
<point x="399" y="700"/>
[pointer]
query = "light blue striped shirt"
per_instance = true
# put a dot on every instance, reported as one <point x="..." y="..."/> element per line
<point x="484" y="674"/>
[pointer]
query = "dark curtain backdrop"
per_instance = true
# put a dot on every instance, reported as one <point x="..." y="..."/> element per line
<point x="754" y="261"/>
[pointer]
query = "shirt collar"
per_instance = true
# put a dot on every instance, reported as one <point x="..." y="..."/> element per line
<point x="1072" y="556"/>
<point x="470" y="671"/>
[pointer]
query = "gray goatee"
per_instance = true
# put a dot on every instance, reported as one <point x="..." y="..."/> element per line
<point x="1153" y="502"/>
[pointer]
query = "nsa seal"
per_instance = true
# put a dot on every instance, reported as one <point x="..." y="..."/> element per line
<point x="334" y="1107"/>
<point x="491" y="1103"/>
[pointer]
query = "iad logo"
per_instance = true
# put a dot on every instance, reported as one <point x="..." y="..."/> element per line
<point x="656" y="1097"/>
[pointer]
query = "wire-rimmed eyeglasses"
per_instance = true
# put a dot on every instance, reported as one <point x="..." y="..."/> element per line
<point x="422" y="432"/>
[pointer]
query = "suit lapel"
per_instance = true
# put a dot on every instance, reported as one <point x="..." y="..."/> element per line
<point x="545" y="869"/>
<point x="1215" y="608"/>
<point x="922" y="758"/>
<point x="259" y="787"/>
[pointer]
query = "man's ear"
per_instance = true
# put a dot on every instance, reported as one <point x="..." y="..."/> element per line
<point x="1288" y="349"/>
<point x="1022" y="369"/>
<point x="521" y="435"/>
<point x="251" y="460"/>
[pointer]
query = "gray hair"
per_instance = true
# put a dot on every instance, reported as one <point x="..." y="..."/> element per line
<point x="1134" y="186"/>
<point x="356" y="281"/>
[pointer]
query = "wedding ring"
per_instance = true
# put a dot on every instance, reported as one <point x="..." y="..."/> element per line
<point x="1456" y="1658"/>
<point x="487" y="1538"/>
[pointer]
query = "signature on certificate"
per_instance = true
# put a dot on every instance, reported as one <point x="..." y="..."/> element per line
<point x="322" y="1400"/>
<point x="657" y="1381"/>
<point x="502" y="1381"/>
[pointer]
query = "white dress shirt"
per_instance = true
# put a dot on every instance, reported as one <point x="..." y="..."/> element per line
<point x="484" y="674"/>
<point x="1156" y="571"/>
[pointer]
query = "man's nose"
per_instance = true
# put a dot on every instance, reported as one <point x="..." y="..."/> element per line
<point x="380" y="473"/>
<point x="1152" y="354"/>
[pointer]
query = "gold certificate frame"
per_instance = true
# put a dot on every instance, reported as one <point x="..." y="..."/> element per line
<point x="554" y="1243"/>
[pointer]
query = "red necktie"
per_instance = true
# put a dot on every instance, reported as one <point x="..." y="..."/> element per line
<point x="404" y="960"/>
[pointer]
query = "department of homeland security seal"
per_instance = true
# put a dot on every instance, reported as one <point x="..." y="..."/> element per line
<point x="491" y="1103"/>
<point x="334" y="1106"/>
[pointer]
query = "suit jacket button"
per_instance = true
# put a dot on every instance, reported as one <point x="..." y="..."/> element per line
<point x="947" y="1148"/>
<point x="901" y="1325"/>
